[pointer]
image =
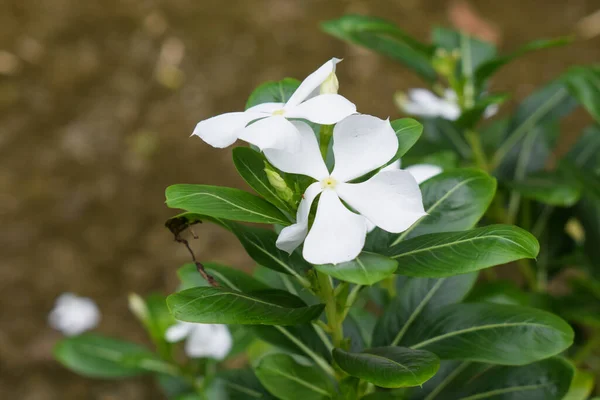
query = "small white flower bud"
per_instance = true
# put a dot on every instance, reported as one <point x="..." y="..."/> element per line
<point x="330" y="85"/>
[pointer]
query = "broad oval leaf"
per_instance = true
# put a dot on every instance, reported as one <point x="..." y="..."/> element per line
<point x="389" y="367"/>
<point x="386" y="38"/>
<point x="417" y="299"/>
<point x="221" y="202"/>
<point x="299" y="339"/>
<point x="210" y="305"/>
<point x="103" y="357"/>
<point x="366" y="269"/>
<point x="493" y="333"/>
<point x="438" y="255"/>
<point x="226" y="276"/>
<point x="548" y="188"/>
<point x="273" y="92"/>
<point x="408" y="131"/>
<point x="242" y="384"/>
<point x="286" y="379"/>
<point x="251" y="166"/>
<point x="543" y="380"/>
<point x="454" y="201"/>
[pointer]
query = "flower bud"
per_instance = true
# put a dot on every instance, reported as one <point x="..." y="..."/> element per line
<point x="330" y="85"/>
<point x="444" y="62"/>
<point x="138" y="307"/>
<point x="278" y="183"/>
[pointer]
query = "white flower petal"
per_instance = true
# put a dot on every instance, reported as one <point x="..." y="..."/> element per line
<point x="306" y="160"/>
<point x="324" y="109"/>
<point x="362" y="143"/>
<point x="267" y="108"/>
<point x="312" y="82"/>
<point x="208" y="340"/>
<point x="222" y="130"/>
<point x="391" y="199"/>
<point x="337" y="235"/>
<point x="73" y="315"/>
<point x="274" y="132"/>
<point x="491" y="110"/>
<point x="423" y="97"/>
<point x="448" y="110"/>
<point x="292" y="236"/>
<point x="422" y="172"/>
<point x="178" y="332"/>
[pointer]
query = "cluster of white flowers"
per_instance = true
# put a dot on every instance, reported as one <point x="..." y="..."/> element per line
<point x="346" y="211"/>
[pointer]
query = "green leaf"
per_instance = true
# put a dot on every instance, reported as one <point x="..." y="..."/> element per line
<point x="242" y="384"/>
<point x="544" y="380"/>
<point x="454" y="201"/>
<point x="102" y="357"/>
<point x="287" y="379"/>
<point x="445" y="135"/>
<point x="211" y="305"/>
<point x="389" y="367"/>
<point x="366" y="269"/>
<point x="417" y="299"/>
<point x="437" y="255"/>
<point x="220" y="202"/>
<point x="581" y="386"/>
<point x="273" y="92"/>
<point x="473" y="115"/>
<point x="584" y="84"/>
<point x="548" y="188"/>
<point x="498" y="292"/>
<point x="385" y="38"/>
<point x="294" y="339"/>
<point x="225" y="276"/>
<point x="408" y="131"/>
<point x="251" y="166"/>
<point x="586" y="151"/>
<point x="546" y="105"/>
<point x="493" y="333"/>
<point x="490" y="67"/>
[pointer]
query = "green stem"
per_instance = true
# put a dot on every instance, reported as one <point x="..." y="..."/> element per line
<point x="325" y="291"/>
<point x="325" y="135"/>
<point x="477" y="148"/>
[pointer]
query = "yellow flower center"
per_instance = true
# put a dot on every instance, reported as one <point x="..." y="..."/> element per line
<point x="328" y="183"/>
<point x="279" y="112"/>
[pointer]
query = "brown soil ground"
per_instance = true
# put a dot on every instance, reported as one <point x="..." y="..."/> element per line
<point x="97" y="101"/>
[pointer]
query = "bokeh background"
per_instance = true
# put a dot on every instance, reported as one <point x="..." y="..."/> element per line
<point x="97" y="102"/>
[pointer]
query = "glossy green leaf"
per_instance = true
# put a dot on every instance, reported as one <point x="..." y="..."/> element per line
<point x="295" y="339"/>
<point x="102" y="357"/>
<point x="389" y="367"/>
<point x="210" y="305"/>
<point x="386" y="38"/>
<point x="287" y="379"/>
<point x="242" y="384"/>
<point x="584" y="84"/>
<point x="548" y="188"/>
<point x="437" y="255"/>
<point x="454" y="201"/>
<point x="498" y="292"/>
<point x="226" y="276"/>
<point x="273" y="92"/>
<point x="408" y="131"/>
<point x="251" y="166"/>
<point x="221" y="202"/>
<point x="417" y="299"/>
<point x="494" y="333"/>
<point x="366" y="269"/>
<point x="544" y="106"/>
<point x="543" y="380"/>
<point x="490" y="67"/>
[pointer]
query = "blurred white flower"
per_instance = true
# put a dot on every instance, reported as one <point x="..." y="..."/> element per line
<point x="390" y="199"/>
<point x="271" y="128"/>
<point x="424" y="103"/>
<point x="202" y="340"/>
<point x="73" y="315"/>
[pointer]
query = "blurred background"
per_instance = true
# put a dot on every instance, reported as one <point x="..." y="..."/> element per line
<point x="97" y="102"/>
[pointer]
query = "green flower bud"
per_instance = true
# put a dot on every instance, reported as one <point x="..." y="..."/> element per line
<point x="278" y="183"/>
<point x="444" y="62"/>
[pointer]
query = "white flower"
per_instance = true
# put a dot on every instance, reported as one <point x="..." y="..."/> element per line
<point x="272" y="128"/>
<point x="202" y="340"/>
<point x="424" y="103"/>
<point x="390" y="199"/>
<point x="73" y="315"/>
